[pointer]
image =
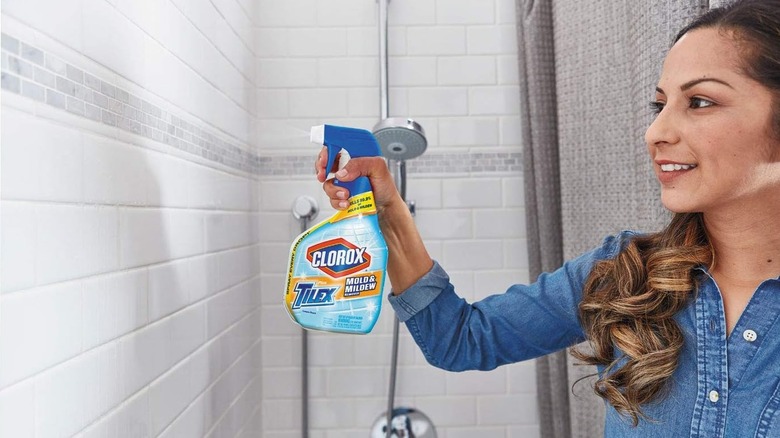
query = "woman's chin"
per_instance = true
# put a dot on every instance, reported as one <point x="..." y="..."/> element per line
<point x="676" y="205"/>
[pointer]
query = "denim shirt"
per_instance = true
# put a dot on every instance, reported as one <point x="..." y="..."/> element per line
<point x="722" y="387"/>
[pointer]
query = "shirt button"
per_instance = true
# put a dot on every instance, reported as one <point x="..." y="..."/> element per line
<point x="749" y="335"/>
<point x="714" y="396"/>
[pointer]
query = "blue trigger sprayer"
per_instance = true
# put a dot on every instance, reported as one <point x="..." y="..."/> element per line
<point x="337" y="268"/>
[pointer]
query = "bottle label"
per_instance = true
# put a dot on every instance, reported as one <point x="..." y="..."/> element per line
<point x="324" y="291"/>
<point x="358" y="205"/>
<point x="338" y="257"/>
<point x="336" y="273"/>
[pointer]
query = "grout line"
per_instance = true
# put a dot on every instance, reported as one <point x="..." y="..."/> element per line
<point x="129" y="269"/>
<point x="76" y="203"/>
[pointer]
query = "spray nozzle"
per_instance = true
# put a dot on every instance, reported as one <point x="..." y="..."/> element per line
<point x="352" y="142"/>
<point x="356" y="142"/>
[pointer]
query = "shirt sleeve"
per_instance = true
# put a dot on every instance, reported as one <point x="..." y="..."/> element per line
<point x="524" y="322"/>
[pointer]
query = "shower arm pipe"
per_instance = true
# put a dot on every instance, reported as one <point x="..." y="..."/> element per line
<point x="304" y="209"/>
<point x="384" y="101"/>
<point x="305" y="384"/>
<point x="398" y="170"/>
<point x="304" y="363"/>
<point x="304" y="366"/>
<point x="393" y="374"/>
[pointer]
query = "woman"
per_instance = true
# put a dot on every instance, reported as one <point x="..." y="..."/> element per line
<point x="683" y="323"/>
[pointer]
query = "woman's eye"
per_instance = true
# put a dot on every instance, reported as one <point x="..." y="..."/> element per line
<point x="657" y="106"/>
<point x="698" y="102"/>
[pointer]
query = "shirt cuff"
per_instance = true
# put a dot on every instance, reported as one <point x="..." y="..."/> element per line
<point x="419" y="295"/>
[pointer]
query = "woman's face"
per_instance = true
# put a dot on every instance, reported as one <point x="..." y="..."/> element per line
<point x="712" y="143"/>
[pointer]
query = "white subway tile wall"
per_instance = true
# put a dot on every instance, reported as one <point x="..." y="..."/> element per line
<point x="130" y="295"/>
<point x="453" y="68"/>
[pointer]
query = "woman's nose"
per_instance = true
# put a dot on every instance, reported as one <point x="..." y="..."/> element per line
<point x="663" y="130"/>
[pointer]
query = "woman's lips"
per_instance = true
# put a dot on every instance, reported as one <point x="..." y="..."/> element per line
<point x="670" y="167"/>
<point x="669" y="171"/>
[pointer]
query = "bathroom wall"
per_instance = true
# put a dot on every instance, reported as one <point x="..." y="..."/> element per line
<point x="453" y="68"/>
<point x="129" y="304"/>
<point x="151" y="151"/>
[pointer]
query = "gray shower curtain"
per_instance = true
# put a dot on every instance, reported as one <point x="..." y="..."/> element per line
<point x="587" y="72"/>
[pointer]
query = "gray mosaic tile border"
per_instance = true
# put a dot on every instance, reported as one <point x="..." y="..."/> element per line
<point x="431" y="162"/>
<point x="472" y="162"/>
<point x="29" y="71"/>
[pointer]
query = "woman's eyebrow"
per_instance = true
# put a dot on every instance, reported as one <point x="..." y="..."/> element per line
<point x="690" y="84"/>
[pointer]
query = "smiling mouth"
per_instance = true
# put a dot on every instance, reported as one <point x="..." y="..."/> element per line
<point x="673" y="167"/>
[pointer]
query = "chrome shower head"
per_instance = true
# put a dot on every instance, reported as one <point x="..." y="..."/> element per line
<point x="400" y="138"/>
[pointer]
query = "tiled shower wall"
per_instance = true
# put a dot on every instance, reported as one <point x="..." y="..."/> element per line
<point x="151" y="151"/>
<point x="453" y="68"/>
<point x="130" y="253"/>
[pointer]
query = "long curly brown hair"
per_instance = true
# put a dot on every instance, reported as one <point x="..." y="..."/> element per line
<point x="629" y="302"/>
<point x="628" y="308"/>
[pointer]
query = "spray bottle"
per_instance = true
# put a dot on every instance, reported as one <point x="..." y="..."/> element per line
<point x="337" y="268"/>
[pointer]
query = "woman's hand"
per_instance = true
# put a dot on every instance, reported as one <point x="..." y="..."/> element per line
<point x="407" y="259"/>
<point x="375" y="168"/>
